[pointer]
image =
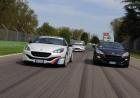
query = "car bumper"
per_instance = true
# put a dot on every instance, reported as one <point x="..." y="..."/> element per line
<point x="78" y="49"/>
<point x="112" y="61"/>
<point x="54" y="59"/>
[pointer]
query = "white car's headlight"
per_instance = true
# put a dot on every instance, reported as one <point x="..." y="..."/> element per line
<point x="58" y="50"/>
<point x="99" y="51"/>
<point x="27" y="48"/>
<point x="125" y="54"/>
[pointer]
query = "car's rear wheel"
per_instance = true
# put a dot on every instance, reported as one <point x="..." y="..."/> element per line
<point x="126" y="65"/>
<point x="26" y="62"/>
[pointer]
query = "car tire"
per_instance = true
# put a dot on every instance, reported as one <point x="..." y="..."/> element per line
<point x="94" y="60"/>
<point x="65" y="63"/>
<point x="71" y="58"/>
<point x="126" y="66"/>
<point x="26" y="62"/>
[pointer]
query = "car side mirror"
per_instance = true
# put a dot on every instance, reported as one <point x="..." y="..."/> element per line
<point x="30" y="41"/>
<point x="128" y="49"/>
<point x="70" y="45"/>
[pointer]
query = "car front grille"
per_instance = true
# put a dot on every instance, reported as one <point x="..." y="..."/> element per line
<point x="40" y="54"/>
<point x="113" y="58"/>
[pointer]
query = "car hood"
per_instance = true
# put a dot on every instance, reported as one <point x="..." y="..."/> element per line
<point x="117" y="52"/>
<point x="44" y="47"/>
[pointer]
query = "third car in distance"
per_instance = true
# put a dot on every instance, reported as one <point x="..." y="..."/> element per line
<point x="78" y="46"/>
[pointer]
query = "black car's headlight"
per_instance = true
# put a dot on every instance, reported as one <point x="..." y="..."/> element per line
<point x="27" y="48"/>
<point x="126" y="54"/>
<point x="58" y="50"/>
<point x="99" y="52"/>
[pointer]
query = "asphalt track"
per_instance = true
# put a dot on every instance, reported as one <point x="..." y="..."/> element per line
<point x="80" y="79"/>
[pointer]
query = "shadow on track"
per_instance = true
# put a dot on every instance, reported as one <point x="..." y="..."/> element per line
<point x="39" y="65"/>
<point x="90" y="62"/>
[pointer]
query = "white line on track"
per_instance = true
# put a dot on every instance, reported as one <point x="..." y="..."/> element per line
<point x="9" y="55"/>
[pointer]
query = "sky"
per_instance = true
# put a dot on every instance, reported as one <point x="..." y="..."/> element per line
<point x="93" y="16"/>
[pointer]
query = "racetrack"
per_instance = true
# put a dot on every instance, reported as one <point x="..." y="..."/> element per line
<point x="80" y="79"/>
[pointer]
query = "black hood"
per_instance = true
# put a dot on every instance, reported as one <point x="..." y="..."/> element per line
<point x="117" y="52"/>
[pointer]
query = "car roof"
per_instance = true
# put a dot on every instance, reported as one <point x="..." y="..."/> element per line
<point x="56" y="37"/>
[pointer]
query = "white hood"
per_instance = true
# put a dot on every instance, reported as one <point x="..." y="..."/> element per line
<point x="44" y="47"/>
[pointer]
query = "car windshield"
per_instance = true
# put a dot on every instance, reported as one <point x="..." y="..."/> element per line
<point x="78" y="44"/>
<point x="49" y="41"/>
<point x="112" y="45"/>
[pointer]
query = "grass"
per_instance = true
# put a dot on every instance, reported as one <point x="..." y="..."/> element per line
<point x="10" y="47"/>
<point x="135" y="54"/>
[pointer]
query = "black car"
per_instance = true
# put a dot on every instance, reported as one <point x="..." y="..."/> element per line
<point x="111" y="53"/>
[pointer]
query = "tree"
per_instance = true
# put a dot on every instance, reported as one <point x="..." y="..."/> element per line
<point x="95" y="40"/>
<point x="85" y="37"/>
<point x="46" y="29"/>
<point x="16" y="14"/>
<point x="76" y="34"/>
<point x="131" y="23"/>
<point x="119" y="34"/>
<point x="65" y="32"/>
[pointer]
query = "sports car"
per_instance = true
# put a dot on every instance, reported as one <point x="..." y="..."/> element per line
<point x="48" y="50"/>
<point x="111" y="53"/>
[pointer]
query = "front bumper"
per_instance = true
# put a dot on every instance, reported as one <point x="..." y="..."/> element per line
<point x="78" y="49"/>
<point x="53" y="59"/>
<point x="113" y="60"/>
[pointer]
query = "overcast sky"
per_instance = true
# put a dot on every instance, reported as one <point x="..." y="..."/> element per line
<point x="93" y="16"/>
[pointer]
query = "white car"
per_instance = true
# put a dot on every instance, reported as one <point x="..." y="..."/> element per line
<point x="78" y="47"/>
<point x="48" y="50"/>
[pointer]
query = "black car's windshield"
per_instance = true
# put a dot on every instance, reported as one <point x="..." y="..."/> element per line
<point x="49" y="41"/>
<point x="111" y="45"/>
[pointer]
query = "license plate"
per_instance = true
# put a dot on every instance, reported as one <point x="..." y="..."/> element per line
<point x="39" y="61"/>
<point x="111" y="62"/>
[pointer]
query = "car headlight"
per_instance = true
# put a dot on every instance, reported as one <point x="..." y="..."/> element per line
<point x="58" y="50"/>
<point x="99" y="51"/>
<point x="27" y="48"/>
<point x="125" y="54"/>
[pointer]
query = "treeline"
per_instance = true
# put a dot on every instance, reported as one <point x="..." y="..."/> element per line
<point x="66" y="32"/>
<point x="17" y="15"/>
<point x="129" y="25"/>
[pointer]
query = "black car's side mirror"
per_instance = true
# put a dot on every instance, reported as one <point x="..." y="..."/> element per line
<point x="128" y="49"/>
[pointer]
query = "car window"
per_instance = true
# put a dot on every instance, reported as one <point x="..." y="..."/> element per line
<point x="78" y="44"/>
<point x="111" y="45"/>
<point x="49" y="41"/>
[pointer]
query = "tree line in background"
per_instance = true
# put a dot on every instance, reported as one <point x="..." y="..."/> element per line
<point x="66" y="32"/>
<point x="16" y="15"/>
<point x="129" y="25"/>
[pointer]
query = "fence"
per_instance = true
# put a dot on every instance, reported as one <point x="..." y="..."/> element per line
<point x="8" y="35"/>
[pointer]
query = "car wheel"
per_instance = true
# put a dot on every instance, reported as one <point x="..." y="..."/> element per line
<point x="65" y="63"/>
<point x="25" y="62"/>
<point x="94" y="61"/>
<point x="126" y="65"/>
<point x="71" y="58"/>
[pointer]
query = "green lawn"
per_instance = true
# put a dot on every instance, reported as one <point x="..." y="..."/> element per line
<point x="135" y="54"/>
<point x="10" y="47"/>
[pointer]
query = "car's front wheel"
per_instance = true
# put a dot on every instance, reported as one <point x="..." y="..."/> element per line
<point x="65" y="62"/>
<point x="71" y="58"/>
